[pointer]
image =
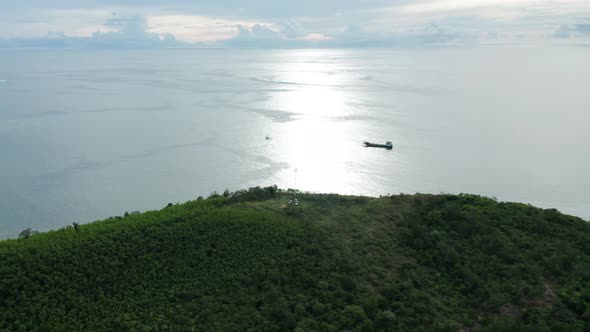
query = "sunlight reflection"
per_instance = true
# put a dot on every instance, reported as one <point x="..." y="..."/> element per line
<point x="317" y="144"/>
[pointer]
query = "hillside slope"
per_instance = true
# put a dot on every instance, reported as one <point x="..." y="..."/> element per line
<point x="250" y="262"/>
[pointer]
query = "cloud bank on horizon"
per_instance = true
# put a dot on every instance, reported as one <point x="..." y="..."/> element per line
<point x="305" y="23"/>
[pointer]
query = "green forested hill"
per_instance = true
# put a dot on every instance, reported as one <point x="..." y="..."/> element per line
<point x="247" y="262"/>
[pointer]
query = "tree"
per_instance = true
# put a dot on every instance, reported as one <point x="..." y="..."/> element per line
<point x="26" y="233"/>
<point x="385" y="320"/>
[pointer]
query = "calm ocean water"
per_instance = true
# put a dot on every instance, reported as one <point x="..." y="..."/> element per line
<point x="91" y="134"/>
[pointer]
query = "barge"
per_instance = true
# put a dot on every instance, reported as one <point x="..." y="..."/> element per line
<point x="388" y="145"/>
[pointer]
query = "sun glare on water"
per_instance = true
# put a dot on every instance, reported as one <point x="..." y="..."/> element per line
<point x="320" y="145"/>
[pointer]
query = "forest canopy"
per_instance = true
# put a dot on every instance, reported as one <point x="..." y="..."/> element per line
<point x="250" y="261"/>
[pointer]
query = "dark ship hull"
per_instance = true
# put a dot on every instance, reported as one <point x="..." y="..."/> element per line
<point x="375" y="145"/>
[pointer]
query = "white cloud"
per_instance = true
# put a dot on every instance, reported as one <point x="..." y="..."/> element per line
<point x="258" y="35"/>
<point x="316" y="37"/>
<point x="131" y="32"/>
<point x="73" y="22"/>
<point x="193" y="28"/>
<point x="573" y="31"/>
<point x="462" y="5"/>
<point x="521" y="21"/>
<point x="306" y="23"/>
<point x="121" y="32"/>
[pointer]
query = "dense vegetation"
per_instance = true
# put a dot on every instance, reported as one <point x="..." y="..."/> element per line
<point x="248" y="261"/>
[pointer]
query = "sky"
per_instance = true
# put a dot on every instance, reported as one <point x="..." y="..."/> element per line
<point x="302" y="23"/>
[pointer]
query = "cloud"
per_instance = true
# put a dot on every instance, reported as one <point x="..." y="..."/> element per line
<point x="257" y="35"/>
<point x="128" y="32"/>
<point x="562" y="32"/>
<point x="574" y="31"/>
<point x="293" y="35"/>
<point x="430" y="35"/>
<point x="583" y="29"/>
<point x="194" y="28"/>
<point x="285" y="36"/>
<point x="305" y="23"/>
<point x="259" y="9"/>
<point x="132" y="33"/>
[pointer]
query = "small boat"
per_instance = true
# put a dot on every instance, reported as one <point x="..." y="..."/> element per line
<point x="268" y="138"/>
<point x="388" y="145"/>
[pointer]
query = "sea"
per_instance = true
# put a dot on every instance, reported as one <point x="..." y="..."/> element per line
<point x="89" y="134"/>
